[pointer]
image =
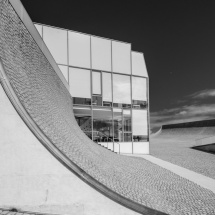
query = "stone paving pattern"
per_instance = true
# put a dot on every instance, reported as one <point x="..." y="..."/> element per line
<point x="49" y="104"/>
<point x="8" y="211"/>
<point x="174" y="145"/>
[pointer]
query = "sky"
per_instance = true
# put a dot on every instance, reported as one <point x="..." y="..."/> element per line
<point x="177" y="38"/>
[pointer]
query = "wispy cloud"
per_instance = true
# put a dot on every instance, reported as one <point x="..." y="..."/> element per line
<point x="185" y="113"/>
<point x="194" y="107"/>
<point x="203" y="94"/>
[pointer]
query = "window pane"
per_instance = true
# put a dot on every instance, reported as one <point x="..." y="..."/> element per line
<point x="79" y="80"/>
<point x="102" y="125"/>
<point x="127" y="121"/>
<point x="56" y="41"/>
<point x="97" y="83"/>
<point x="117" y="120"/>
<point x="121" y="54"/>
<point x="84" y="120"/>
<point x="39" y="28"/>
<point x="107" y="89"/>
<point x="140" y="122"/>
<point x="79" y="50"/>
<point x="64" y="70"/>
<point x="97" y="100"/>
<point x="138" y="64"/>
<point x="101" y="53"/>
<point x="127" y="137"/>
<point x="121" y="91"/>
<point x="139" y="92"/>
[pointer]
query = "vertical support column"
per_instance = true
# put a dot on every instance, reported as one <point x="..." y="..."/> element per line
<point x="148" y="112"/>
<point x="91" y="86"/>
<point x="131" y="105"/>
<point x="68" y="56"/>
<point x="112" y="94"/>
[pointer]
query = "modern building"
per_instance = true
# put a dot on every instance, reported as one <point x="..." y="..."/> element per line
<point x="109" y="85"/>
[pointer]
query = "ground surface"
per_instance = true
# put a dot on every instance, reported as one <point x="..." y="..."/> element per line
<point x="174" y="146"/>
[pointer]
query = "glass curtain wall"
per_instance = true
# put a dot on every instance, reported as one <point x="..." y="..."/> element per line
<point x="120" y="123"/>
<point x="121" y="91"/>
<point x="84" y="119"/>
<point x="102" y="125"/>
<point x="97" y="89"/>
<point x="100" y="75"/>
<point x="80" y="86"/>
<point x="117" y="123"/>
<point x="107" y="89"/>
<point x="139" y="93"/>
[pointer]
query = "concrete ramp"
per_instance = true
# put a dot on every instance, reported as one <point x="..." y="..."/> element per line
<point x="48" y="164"/>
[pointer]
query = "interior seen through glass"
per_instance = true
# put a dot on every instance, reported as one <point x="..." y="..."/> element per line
<point x="103" y="120"/>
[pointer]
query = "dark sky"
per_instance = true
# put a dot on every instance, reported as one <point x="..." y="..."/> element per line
<point x="177" y="38"/>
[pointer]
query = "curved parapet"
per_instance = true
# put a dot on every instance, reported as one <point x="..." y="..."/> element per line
<point x="187" y="131"/>
<point x="42" y="100"/>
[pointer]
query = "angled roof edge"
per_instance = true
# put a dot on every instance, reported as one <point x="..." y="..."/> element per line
<point x="143" y="60"/>
<point x="22" y="13"/>
<point x="90" y="35"/>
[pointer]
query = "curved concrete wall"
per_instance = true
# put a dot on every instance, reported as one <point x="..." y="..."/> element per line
<point x="32" y="179"/>
<point x="44" y="103"/>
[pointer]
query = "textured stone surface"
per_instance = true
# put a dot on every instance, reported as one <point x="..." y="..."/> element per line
<point x="174" y="145"/>
<point x="50" y="105"/>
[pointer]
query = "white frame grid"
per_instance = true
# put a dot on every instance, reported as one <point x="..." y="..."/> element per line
<point x="111" y="72"/>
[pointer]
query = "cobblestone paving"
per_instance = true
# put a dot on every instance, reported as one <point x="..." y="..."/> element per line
<point x="49" y="104"/>
<point x="175" y="147"/>
<point x="8" y="211"/>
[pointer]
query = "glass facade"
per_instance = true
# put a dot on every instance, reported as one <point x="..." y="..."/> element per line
<point x="102" y="125"/>
<point x="121" y="91"/>
<point x="84" y="119"/>
<point x="56" y="41"/>
<point x="80" y="85"/>
<point x="107" y="89"/>
<point x="101" y="53"/>
<point x="121" y="55"/>
<point x="109" y="86"/>
<point x="79" y="49"/>
<point x="139" y="93"/>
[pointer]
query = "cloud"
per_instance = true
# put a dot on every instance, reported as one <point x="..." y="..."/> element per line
<point x="182" y="114"/>
<point x="194" y="107"/>
<point x="203" y="94"/>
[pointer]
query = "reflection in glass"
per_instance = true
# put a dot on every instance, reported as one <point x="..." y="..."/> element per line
<point x="139" y="93"/>
<point x="101" y="53"/>
<point x="56" y="41"/>
<point x="79" y="81"/>
<point x="97" y="83"/>
<point x="97" y="100"/>
<point x="140" y="124"/>
<point x="79" y="49"/>
<point x="140" y="138"/>
<point x="121" y="54"/>
<point x="102" y="125"/>
<point x="117" y="121"/>
<point x="121" y="91"/>
<point x="127" y="137"/>
<point x="64" y="70"/>
<point x="127" y="120"/>
<point x="127" y="125"/>
<point x="138" y="64"/>
<point x="106" y="89"/>
<point x="84" y="120"/>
